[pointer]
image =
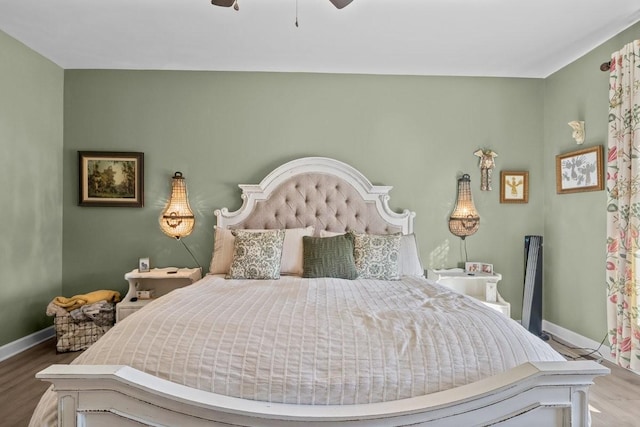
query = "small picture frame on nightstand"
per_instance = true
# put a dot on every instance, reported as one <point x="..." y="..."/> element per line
<point x="144" y="265"/>
<point x="478" y="267"/>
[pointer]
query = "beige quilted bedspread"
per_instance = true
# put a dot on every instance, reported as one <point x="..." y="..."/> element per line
<point x="314" y="341"/>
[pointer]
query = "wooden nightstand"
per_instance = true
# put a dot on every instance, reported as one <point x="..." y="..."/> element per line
<point x="160" y="281"/>
<point x="476" y="285"/>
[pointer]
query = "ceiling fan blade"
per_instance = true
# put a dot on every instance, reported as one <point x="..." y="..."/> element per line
<point x="340" y="3"/>
<point x="223" y="3"/>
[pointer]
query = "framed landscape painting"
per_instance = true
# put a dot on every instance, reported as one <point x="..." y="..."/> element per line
<point x="111" y="178"/>
<point x="580" y="170"/>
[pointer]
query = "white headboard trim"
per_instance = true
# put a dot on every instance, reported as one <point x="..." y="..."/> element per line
<point x="251" y="193"/>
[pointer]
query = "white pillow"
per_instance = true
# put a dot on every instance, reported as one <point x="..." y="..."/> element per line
<point x="222" y="251"/>
<point x="325" y="233"/>
<point x="291" y="250"/>
<point x="408" y="257"/>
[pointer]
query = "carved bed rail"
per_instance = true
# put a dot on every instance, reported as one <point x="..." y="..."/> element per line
<point x="542" y="393"/>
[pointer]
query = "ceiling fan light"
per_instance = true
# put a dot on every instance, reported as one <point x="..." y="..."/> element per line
<point x="340" y="3"/>
<point x="223" y="3"/>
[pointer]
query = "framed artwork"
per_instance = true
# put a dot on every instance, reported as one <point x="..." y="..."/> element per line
<point x="144" y="265"/>
<point x="111" y="179"/>
<point x="514" y="187"/>
<point x="580" y="170"/>
<point x="478" y="267"/>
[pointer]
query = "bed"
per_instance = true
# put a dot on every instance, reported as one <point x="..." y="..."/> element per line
<point x="256" y="344"/>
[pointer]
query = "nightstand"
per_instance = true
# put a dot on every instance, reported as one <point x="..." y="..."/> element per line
<point x="481" y="286"/>
<point x="159" y="281"/>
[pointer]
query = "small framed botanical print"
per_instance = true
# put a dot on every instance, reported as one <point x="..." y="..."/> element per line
<point x="514" y="187"/>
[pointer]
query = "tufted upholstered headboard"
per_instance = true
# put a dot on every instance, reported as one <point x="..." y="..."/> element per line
<point x="321" y="192"/>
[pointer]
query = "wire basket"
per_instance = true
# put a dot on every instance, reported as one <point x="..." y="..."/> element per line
<point x="78" y="334"/>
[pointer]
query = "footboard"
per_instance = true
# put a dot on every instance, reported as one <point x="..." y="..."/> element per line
<point x="543" y="393"/>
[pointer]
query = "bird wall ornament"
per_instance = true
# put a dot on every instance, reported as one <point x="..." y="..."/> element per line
<point x="578" y="131"/>
<point x="487" y="163"/>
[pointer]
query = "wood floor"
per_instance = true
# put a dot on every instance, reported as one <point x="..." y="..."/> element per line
<point x="19" y="388"/>
<point x="614" y="399"/>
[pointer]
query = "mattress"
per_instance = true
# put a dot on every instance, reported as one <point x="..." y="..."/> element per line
<point x="314" y="341"/>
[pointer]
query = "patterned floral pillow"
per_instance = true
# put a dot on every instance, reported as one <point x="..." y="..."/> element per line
<point x="376" y="256"/>
<point x="256" y="255"/>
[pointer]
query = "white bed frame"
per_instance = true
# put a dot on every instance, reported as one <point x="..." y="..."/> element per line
<point x="532" y="394"/>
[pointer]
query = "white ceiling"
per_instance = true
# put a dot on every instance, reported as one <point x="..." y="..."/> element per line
<point x="508" y="38"/>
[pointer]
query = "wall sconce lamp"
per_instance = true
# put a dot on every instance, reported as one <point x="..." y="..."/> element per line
<point x="578" y="131"/>
<point x="464" y="220"/>
<point x="177" y="219"/>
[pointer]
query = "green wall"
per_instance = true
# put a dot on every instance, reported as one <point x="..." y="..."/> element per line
<point x="575" y="224"/>
<point x="31" y="103"/>
<point x="417" y="134"/>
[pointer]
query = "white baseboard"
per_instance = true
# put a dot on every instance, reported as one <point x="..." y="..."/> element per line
<point x="577" y="340"/>
<point x="20" y="345"/>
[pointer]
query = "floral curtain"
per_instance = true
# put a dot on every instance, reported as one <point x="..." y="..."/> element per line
<point x="623" y="206"/>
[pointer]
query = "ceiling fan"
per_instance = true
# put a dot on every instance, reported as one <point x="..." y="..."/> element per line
<point x="228" y="3"/>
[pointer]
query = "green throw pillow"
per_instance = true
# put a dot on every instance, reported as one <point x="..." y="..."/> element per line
<point x="329" y="257"/>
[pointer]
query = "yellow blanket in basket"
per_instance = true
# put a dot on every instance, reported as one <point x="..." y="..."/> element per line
<point x="90" y="298"/>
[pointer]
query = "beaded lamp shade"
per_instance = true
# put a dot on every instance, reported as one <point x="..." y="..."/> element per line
<point x="177" y="219"/>
<point x="464" y="220"/>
